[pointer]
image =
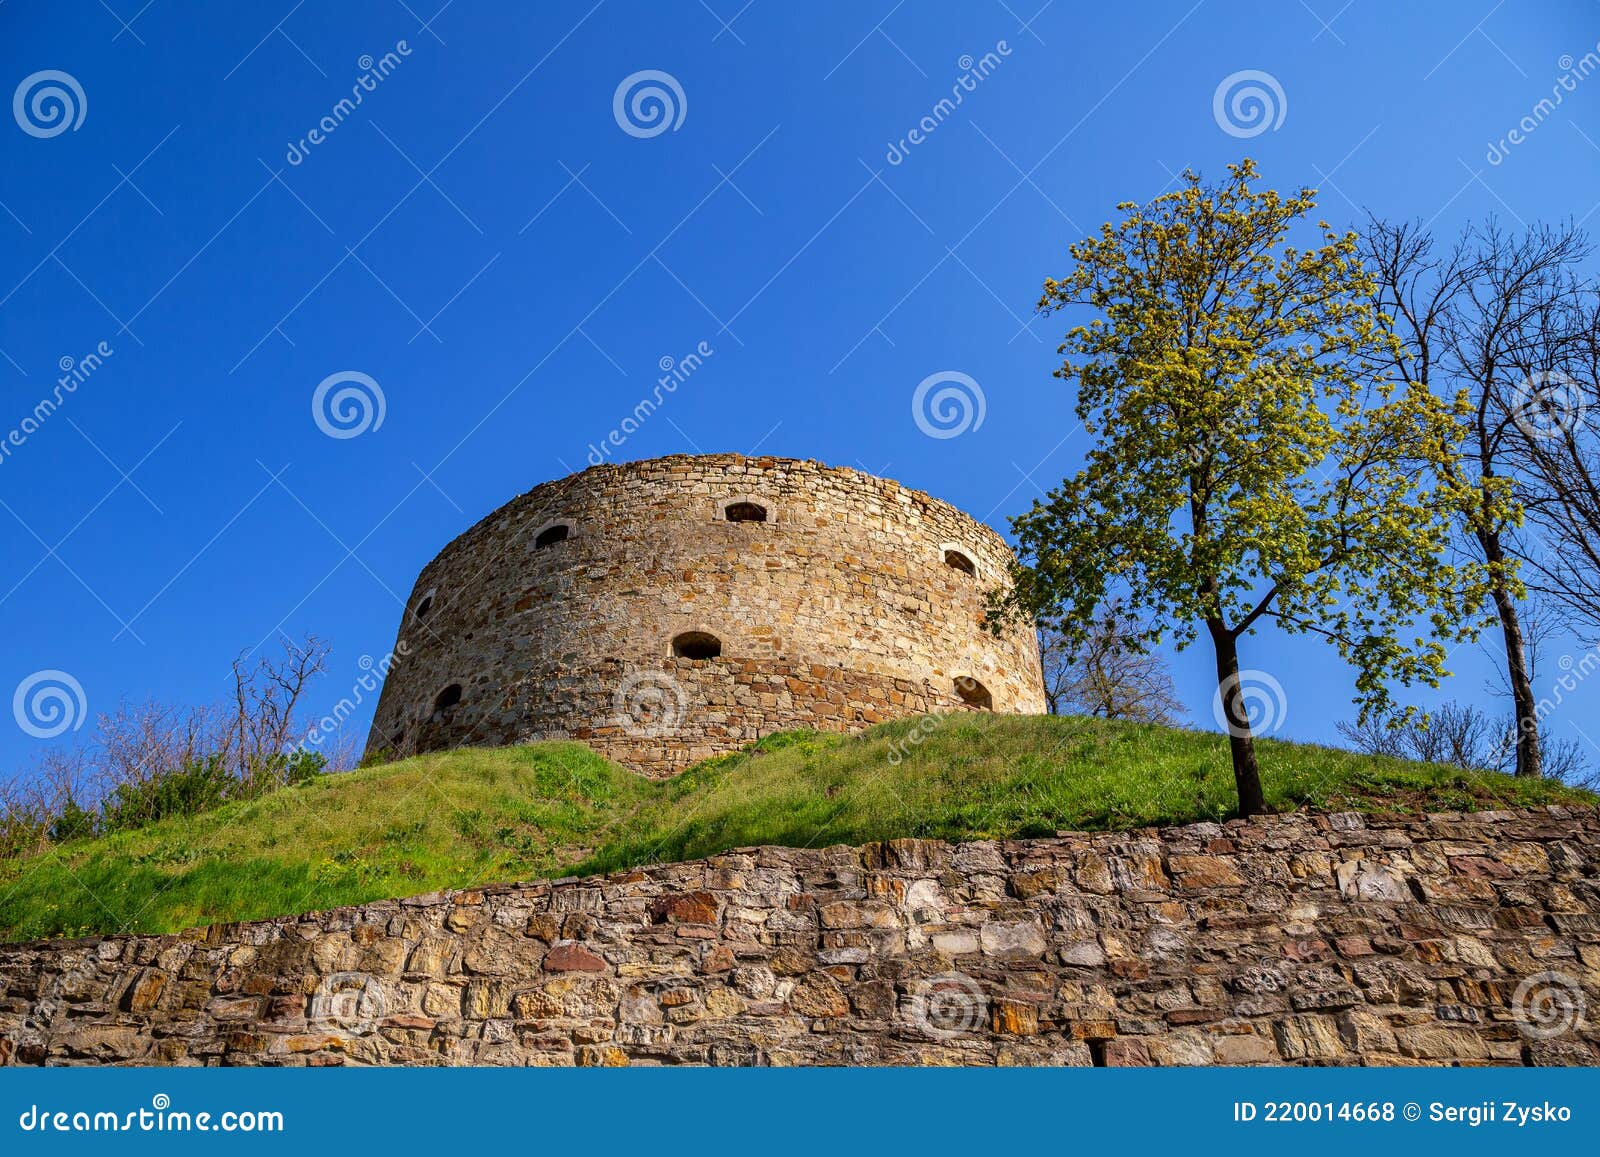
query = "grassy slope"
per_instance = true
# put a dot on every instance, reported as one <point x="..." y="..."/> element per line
<point x="484" y="815"/>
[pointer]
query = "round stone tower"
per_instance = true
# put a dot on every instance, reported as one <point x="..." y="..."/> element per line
<point x="669" y="610"/>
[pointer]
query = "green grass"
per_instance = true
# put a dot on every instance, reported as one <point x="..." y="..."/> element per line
<point x="485" y="815"/>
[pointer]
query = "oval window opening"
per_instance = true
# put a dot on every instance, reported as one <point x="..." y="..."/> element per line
<point x="959" y="561"/>
<point x="447" y="698"/>
<point x="745" y="512"/>
<point x="696" y="645"/>
<point x="553" y="535"/>
<point x="424" y="607"/>
<point x="973" y="693"/>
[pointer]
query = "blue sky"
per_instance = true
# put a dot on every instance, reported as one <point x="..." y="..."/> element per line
<point x="484" y="240"/>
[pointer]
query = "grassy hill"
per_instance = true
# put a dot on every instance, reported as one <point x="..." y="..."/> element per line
<point x="550" y="809"/>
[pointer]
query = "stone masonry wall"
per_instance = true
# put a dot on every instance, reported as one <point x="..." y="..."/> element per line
<point x="1296" y="940"/>
<point x="838" y="612"/>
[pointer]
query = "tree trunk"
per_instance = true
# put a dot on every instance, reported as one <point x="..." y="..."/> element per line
<point x="1241" y="743"/>
<point x="1530" y="760"/>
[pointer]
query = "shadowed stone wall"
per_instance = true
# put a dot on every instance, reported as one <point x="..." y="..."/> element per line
<point x="839" y="611"/>
<point x="1295" y="940"/>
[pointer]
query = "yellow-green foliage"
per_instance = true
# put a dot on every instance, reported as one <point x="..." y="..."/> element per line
<point x="1252" y="461"/>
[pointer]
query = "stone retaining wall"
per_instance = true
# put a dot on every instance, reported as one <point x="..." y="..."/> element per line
<point x="1294" y="940"/>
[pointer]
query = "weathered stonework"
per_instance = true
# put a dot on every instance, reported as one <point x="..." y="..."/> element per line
<point x="1297" y="940"/>
<point x="838" y="612"/>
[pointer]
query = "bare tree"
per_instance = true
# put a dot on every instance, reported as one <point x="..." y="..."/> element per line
<point x="1460" y="735"/>
<point x="1111" y="673"/>
<point x="1556" y="415"/>
<point x="139" y="741"/>
<point x="147" y="759"/>
<point x="1470" y="319"/>
<point x="265" y="697"/>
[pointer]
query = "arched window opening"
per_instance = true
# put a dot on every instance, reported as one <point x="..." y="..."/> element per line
<point x="745" y="512"/>
<point x="552" y="535"/>
<point x="696" y="645"/>
<point x="973" y="693"/>
<point x="447" y="698"/>
<point x="424" y="606"/>
<point x="960" y="561"/>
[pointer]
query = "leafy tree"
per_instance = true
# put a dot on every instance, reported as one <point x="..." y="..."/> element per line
<point x="1251" y="462"/>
